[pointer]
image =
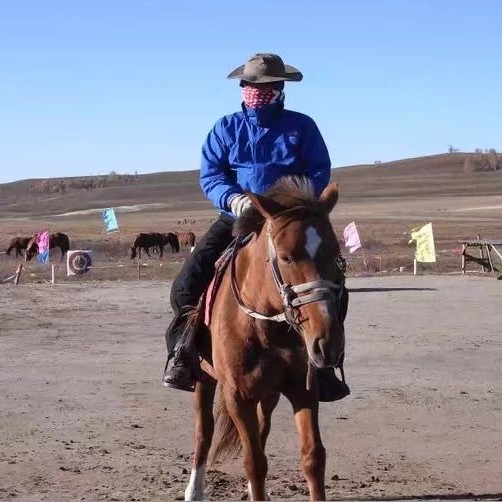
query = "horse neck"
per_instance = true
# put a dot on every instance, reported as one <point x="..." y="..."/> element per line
<point x="254" y="277"/>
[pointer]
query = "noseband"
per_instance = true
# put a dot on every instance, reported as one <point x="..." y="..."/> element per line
<point x="316" y="291"/>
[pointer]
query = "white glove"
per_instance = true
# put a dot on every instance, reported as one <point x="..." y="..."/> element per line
<point x="239" y="204"/>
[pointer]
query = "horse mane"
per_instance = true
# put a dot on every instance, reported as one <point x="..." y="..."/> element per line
<point x="289" y="192"/>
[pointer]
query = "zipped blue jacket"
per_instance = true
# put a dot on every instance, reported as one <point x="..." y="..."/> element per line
<point x="249" y="150"/>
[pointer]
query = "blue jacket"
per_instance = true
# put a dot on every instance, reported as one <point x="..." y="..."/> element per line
<point x="249" y="150"/>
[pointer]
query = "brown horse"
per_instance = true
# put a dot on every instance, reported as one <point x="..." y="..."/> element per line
<point x="274" y="320"/>
<point x="56" y="240"/>
<point x="186" y="239"/>
<point x="18" y="243"/>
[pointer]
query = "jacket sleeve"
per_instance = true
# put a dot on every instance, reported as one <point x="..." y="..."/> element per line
<point x="215" y="176"/>
<point x="315" y="157"/>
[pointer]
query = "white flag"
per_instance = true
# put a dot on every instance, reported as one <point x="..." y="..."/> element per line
<point x="351" y="238"/>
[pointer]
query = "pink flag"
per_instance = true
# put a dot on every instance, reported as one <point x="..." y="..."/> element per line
<point x="351" y="238"/>
<point x="42" y="240"/>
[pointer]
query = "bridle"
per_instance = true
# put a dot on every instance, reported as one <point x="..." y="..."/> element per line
<point x="293" y="296"/>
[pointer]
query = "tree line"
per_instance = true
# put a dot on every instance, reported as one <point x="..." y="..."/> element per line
<point x="63" y="185"/>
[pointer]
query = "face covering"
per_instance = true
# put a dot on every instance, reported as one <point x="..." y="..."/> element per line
<point x="254" y="97"/>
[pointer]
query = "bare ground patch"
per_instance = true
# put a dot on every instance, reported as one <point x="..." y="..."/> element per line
<point x="84" y="416"/>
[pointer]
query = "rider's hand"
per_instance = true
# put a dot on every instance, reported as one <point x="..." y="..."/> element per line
<point x="239" y="204"/>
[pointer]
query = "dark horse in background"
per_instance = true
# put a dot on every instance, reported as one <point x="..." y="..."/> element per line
<point x="56" y="240"/>
<point x="146" y="241"/>
<point x="19" y="244"/>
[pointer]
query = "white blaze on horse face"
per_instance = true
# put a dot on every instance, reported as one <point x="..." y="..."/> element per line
<point x="312" y="242"/>
<point x="195" y="488"/>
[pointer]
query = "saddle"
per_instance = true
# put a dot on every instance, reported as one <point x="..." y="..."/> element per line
<point x="220" y="266"/>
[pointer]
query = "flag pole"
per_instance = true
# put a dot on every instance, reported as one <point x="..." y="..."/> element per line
<point x="364" y="260"/>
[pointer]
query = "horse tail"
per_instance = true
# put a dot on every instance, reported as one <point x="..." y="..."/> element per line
<point x="192" y="239"/>
<point x="226" y="441"/>
<point x="65" y="244"/>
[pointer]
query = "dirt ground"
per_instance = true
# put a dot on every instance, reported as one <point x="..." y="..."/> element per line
<point x="84" y="416"/>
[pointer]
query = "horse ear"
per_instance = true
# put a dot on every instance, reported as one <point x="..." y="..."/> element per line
<point x="330" y="196"/>
<point x="267" y="207"/>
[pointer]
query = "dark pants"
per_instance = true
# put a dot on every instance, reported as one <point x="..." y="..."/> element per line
<point x="195" y="275"/>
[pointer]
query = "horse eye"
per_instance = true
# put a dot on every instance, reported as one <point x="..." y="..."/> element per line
<point x="286" y="259"/>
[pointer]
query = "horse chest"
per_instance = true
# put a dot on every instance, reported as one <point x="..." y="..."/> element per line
<point x="259" y="366"/>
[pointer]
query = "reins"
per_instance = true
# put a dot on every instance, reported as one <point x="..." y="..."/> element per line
<point x="317" y="290"/>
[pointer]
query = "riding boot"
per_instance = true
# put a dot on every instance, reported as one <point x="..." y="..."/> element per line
<point x="330" y="387"/>
<point x="184" y="371"/>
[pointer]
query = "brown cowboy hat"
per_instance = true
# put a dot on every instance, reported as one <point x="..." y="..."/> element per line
<point x="264" y="68"/>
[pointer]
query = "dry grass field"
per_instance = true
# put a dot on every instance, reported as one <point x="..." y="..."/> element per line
<point x="385" y="200"/>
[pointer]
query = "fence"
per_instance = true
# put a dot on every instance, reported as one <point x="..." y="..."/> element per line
<point x="154" y="270"/>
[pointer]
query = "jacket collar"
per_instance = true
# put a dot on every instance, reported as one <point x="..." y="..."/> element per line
<point x="264" y="115"/>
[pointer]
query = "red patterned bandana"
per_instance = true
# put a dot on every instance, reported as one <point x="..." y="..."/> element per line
<point x="254" y="97"/>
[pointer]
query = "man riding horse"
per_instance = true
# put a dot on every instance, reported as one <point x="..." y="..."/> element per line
<point x="246" y="151"/>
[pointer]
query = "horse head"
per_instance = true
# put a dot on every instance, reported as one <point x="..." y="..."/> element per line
<point x="31" y="249"/>
<point x="302" y="250"/>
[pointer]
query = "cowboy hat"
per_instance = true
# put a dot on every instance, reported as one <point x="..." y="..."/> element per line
<point x="264" y="68"/>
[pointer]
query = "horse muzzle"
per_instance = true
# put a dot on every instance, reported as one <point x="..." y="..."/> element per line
<point x="327" y="352"/>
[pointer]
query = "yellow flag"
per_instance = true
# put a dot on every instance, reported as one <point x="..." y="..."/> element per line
<point x="425" y="252"/>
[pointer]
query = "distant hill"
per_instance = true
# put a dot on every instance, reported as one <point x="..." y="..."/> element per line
<point x="448" y="174"/>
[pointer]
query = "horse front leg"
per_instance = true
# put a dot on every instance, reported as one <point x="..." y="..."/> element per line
<point x="244" y="415"/>
<point x="265" y="409"/>
<point x="161" y="251"/>
<point x="204" y="427"/>
<point x="313" y="454"/>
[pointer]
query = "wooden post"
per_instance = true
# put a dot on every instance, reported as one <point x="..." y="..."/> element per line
<point x="18" y="273"/>
<point x="364" y="261"/>
<point x="139" y="270"/>
<point x="53" y="274"/>
<point x="490" y="261"/>
<point x="482" y="257"/>
<point x="415" y="266"/>
<point x="481" y="254"/>
<point x="464" y="247"/>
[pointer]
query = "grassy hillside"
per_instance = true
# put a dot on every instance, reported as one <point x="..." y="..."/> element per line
<point x="418" y="177"/>
<point x="446" y="174"/>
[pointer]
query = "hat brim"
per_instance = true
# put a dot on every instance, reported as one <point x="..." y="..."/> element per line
<point x="291" y="74"/>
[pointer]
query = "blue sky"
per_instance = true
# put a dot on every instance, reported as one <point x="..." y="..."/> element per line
<point x="98" y="86"/>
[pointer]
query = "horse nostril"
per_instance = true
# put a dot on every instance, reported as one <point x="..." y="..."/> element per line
<point x="321" y="344"/>
<point x="316" y="347"/>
